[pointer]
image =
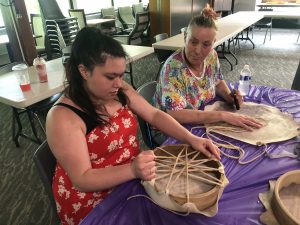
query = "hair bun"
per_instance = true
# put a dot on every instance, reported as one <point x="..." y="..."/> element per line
<point x="207" y="11"/>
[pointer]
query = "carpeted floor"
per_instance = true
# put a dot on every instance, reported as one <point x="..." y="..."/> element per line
<point x="22" y="197"/>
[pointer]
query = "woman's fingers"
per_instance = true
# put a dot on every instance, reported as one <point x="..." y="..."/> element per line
<point x="145" y="165"/>
<point x="206" y="146"/>
<point x="249" y="121"/>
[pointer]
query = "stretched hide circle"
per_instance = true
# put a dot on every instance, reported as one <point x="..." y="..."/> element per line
<point x="186" y="180"/>
<point x="278" y="126"/>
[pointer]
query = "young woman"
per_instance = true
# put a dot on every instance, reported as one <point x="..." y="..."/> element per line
<point x="191" y="77"/>
<point x="92" y="129"/>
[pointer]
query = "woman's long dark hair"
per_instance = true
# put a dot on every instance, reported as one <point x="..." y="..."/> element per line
<point x="90" y="48"/>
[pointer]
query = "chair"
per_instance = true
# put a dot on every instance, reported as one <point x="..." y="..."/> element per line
<point x="296" y="81"/>
<point x="38" y="32"/>
<point x="135" y="36"/>
<point x="162" y="55"/>
<point x="33" y="112"/>
<point x="137" y="8"/>
<point x="110" y="28"/>
<point x="126" y="16"/>
<point x="264" y="23"/>
<point x="108" y="13"/>
<point x="55" y="40"/>
<point x="69" y="28"/>
<point x="147" y="90"/>
<point x="80" y="15"/>
<point x="45" y="163"/>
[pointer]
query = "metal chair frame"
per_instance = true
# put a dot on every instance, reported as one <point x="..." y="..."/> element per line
<point x="45" y="163"/>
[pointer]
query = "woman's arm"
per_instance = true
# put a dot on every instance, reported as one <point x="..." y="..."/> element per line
<point x="168" y="124"/>
<point x="66" y="138"/>
<point x="223" y="91"/>
<point x="197" y="116"/>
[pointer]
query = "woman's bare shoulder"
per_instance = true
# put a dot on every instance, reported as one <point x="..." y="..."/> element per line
<point x="63" y="116"/>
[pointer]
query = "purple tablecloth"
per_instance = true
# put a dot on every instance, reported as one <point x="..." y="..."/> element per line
<point x="239" y="204"/>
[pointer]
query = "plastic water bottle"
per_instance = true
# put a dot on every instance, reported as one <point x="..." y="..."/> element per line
<point x="245" y="79"/>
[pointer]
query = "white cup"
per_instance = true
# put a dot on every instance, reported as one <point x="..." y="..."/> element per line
<point x="22" y="76"/>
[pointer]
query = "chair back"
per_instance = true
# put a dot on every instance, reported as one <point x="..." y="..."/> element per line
<point x="162" y="55"/>
<point x="108" y="12"/>
<point x="141" y="24"/>
<point x="136" y="8"/>
<point x="38" y="30"/>
<point x="296" y="81"/>
<point x="80" y="15"/>
<point x="147" y="90"/>
<point x="45" y="163"/>
<point x="126" y="16"/>
<point x="160" y="37"/>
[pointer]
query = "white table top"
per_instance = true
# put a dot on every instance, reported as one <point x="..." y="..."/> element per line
<point x="94" y="22"/>
<point x="284" y="15"/>
<point x="11" y="94"/>
<point x="278" y="5"/>
<point x="228" y="27"/>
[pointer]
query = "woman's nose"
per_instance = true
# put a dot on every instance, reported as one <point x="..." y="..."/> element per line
<point x="118" y="82"/>
<point x="198" y="49"/>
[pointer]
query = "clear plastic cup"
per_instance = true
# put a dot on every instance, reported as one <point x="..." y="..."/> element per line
<point x="22" y="76"/>
<point x="40" y="65"/>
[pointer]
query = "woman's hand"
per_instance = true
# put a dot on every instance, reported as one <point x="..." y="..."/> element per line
<point x="239" y="120"/>
<point x="143" y="166"/>
<point x="205" y="146"/>
<point x="239" y="97"/>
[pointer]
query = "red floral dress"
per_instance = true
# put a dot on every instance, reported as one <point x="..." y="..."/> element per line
<point x="110" y="145"/>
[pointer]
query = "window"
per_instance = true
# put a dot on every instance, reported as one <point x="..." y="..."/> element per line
<point x="1" y="20"/>
<point x="120" y="3"/>
<point x="64" y="7"/>
<point x="92" y="6"/>
<point x="32" y="7"/>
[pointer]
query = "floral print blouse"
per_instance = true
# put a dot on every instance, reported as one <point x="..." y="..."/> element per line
<point x="178" y="88"/>
<point x="109" y="145"/>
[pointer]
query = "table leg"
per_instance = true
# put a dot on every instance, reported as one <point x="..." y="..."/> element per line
<point x="19" y="132"/>
<point x="223" y="56"/>
<point x="247" y="37"/>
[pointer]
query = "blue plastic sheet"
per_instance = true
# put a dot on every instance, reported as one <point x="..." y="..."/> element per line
<point x="239" y="204"/>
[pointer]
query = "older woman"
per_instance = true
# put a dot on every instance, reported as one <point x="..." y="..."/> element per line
<point x="191" y="77"/>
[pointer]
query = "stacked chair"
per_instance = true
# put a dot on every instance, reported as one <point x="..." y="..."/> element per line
<point x="61" y="33"/>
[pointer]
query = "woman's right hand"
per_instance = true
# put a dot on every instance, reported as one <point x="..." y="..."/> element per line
<point x="143" y="165"/>
<point x="240" y="120"/>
